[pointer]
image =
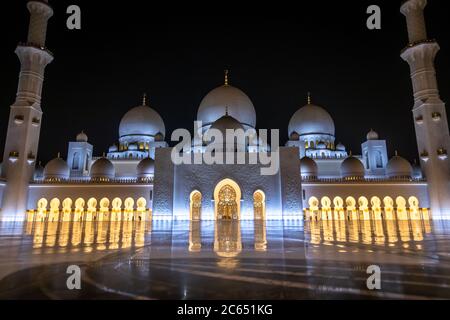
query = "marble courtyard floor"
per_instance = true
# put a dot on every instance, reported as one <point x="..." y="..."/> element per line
<point x="226" y="260"/>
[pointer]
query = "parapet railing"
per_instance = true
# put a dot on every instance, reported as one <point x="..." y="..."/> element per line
<point x="362" y="180"/>
<point x="87" y="181"/>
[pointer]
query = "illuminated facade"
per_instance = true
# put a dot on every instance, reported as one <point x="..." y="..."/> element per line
<point x="136" y="180"/>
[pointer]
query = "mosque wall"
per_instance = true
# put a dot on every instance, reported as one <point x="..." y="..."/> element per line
<point x="2" y="188"/>
<point x="164" y="183"/>
<point x="125" y="168"/>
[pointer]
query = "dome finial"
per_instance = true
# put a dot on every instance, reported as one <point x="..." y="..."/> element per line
<point x="396" y="153"/>
<point x="226" y="72"/>
<point x="350" y="154"/>
<point x="226" y="111"/>
<point x="144" y="99"/>
<point x="59" y="155"/>
<point x="309" y="97"/>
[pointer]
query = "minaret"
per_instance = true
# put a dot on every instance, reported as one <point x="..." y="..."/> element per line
<point x="26" y="114"/>
<point x="430" y="118"/>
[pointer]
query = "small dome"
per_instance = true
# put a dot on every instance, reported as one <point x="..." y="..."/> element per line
<point x="372" y="135"/>
<point x="352" y="168"/>
<point x="141" y="121"/>
<point x="113" y="148"/>
<point x="39" y="172"/>
<point x="311" y="119"/>
<point x="145" y="168"/>
<point x="103" y="169"/>
<point x="159" y="137"/>
<point x="308" y="167"/>
<point x="227" y="97"/>
<point x="57" y="169"/>
<point x="398" y="167"/>
<point x="321" y="145"/>
<point x="132" y="147"/>
<point x="226" y="122"/>
<point x="82" y="137"/>
<point x="340" y="147"/>
<point x="294" y="136"/>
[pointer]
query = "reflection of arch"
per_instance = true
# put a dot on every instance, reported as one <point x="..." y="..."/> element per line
<point x="54" y="210"/>
<point x="195" y="205"/>
<point x="67" y="209"/>
<point x="259" y="205"/>
<point x="227" y="200"/>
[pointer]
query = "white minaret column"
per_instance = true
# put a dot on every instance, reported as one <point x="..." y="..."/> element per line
<point x="26" y="115"/>
<point x="430" y="118"/>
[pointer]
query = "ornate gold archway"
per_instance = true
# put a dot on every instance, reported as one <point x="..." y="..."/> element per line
<point x="195" y="205"/>
<point x="227" y="200"/>
<point x="259" y="205"/>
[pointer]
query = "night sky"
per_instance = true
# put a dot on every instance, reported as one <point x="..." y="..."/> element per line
<point x="177" y="53"/>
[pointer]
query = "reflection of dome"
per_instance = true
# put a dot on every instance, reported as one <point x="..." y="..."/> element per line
<point x="215" y="103"/>
<point x="308" y="167"/>
<point x="311" y="119"/>
<point x="57" y="169"/>
<point x="145" y="168"/>
<point x="398" y="167"/>
<point x="352" y="168"/>
<point x="82" y="137"/>
<point x="372" y="135"/>
<point x="102" y="169"/>
<point x="340" y="147"/>
<point x="141" y="120"/>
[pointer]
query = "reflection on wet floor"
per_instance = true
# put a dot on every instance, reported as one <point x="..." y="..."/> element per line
<point x="228" y="259"/>
<point x="68" y="237"/>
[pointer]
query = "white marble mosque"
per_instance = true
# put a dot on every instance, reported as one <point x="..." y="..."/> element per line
<point x="135" y="179"/>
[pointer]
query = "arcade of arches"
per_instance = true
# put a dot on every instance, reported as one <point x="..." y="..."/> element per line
<point x="364" y="209"/>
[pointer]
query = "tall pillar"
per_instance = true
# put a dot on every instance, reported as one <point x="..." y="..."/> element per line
<point x="26" y="114"/>
<point x="430" y="118"/>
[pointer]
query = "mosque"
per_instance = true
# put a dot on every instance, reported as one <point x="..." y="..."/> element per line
<point x="136" y="179"/>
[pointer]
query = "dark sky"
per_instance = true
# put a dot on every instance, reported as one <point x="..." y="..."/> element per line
<point x="177" y="53"/>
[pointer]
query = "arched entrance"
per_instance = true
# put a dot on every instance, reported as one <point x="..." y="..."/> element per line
<point x="259" y="205"/>
<point x="195" y="205"/>
<point x="227" y="200"/>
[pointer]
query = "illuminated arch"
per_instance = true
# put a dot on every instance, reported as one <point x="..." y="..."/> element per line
<point x="388" y="207"/>
<point x="104" y="210"/>
<point x="195" y="205"/>
<point x="414" y="209"/>
<point x="338" y="204"/>
<point x="313" y="203"/>
<point x="55" y="204"/>
<point x="129" y="209"/>
<point x="375" y="203"/>
<point x="325" y="203"/>
<point x="350" y="204"/>
<point x="222" y="185"/>
<point x="41" y="209"/>
<point x="91" y="213"/>
<point x="116" y="209"/>
<point x="259" y="205"/>
<point x="79" y="209"/>
<point x="141" y="204"/>
<point x="402" y="214"/>
<point x="363" y="205"/>
<point x="67" y="209"/>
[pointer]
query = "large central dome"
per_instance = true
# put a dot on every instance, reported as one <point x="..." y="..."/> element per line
<point x="141" y="121"/>
<point x="311" y="119"/>
<point x="227" y="99"/>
